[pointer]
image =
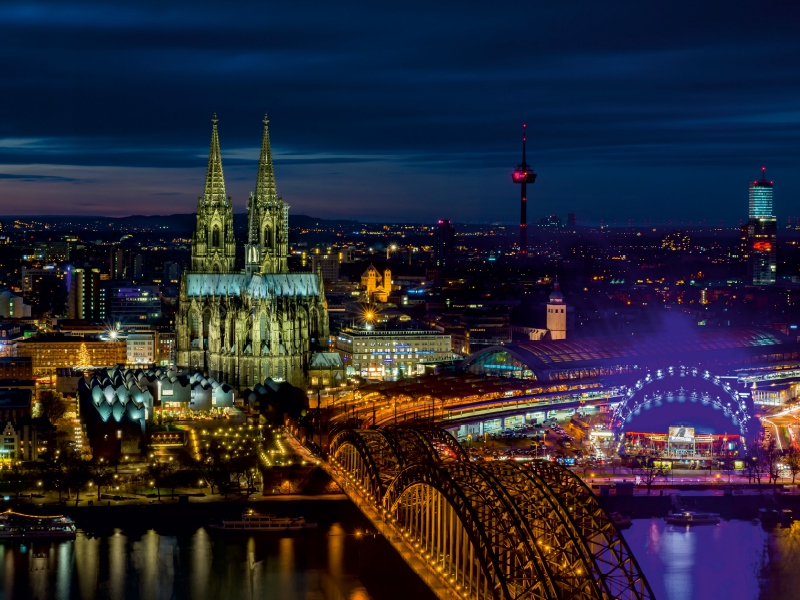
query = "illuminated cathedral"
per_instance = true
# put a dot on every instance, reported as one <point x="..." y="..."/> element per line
<point x="242" y="326"/>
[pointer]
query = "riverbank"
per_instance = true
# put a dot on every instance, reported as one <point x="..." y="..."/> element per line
<point x="737" y="506"/>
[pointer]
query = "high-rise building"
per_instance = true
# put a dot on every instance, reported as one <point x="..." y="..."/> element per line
<point x="445" y="240"/>
<point x="761" y="230"/>
<point x="138" y="266"/>
<point x="572" y="219"/>
<point x="84" y="294"/>
<point x="117" y="266"/>
<point x="328" y="265"/>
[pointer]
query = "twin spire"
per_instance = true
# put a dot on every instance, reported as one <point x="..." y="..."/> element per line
<point x="214" y="192"/>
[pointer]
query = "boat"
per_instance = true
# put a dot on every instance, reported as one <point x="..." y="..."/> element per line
<point x="773" y="516"/>
<point x="18" y="525"/>
<point x="690" y="517"/>
<point x="254" y="521"/>
<point x="620" y="520"/>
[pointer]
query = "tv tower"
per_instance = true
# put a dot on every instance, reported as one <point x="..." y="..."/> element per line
<point x="523" y="175"/>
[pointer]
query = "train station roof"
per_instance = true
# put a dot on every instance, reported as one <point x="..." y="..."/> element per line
<point x="549" y="359"/>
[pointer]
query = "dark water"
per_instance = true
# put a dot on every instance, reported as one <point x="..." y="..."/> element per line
<point x="327" y="564"/>
<point x="735" y="560"/>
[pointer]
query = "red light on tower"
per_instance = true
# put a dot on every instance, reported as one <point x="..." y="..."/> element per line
<point x="523" y="175"/>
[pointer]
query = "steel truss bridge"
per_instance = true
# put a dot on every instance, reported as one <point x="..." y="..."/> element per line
<point x="488" y="530"/>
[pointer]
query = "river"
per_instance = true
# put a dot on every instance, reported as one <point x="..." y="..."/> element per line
<point x="735" y="560"/>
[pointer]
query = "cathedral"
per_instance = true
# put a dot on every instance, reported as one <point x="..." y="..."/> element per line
<point x="242" y="326"/>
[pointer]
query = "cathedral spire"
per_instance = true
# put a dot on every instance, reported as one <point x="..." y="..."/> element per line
<point x="266" y="192"/>
<point x="214" y="192"/>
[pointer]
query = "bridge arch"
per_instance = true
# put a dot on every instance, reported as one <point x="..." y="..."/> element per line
<point x="611" y="555"/>
<point x="494" y="530"/>
<point x="683" y="383"/>
<point x="457" y="519"/>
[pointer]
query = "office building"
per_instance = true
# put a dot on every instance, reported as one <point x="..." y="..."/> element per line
<point x="328" y="264"/>
<point x="761" y="234"/>
<point x="141" y="348"/>
<point x="391" y="353"/>
<point x="84" y="295"/>
<point x="445" y="241"/>
<point x="132" y="303"/>
<point x="44" y="287"/>
<point x="12" y="306"/>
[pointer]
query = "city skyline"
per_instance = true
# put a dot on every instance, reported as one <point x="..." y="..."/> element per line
<point x="406" y="114"/>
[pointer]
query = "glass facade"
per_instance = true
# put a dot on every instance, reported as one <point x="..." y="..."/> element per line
<point x="501" y="364"/>
<point x="760" y="199"/>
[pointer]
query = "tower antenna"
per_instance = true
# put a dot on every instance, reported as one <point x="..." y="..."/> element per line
<point x="523" y="175"/>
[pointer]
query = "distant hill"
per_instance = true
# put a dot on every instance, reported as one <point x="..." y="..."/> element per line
<point x="178" y="223"/>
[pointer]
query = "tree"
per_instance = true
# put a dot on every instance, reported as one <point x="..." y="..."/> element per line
<point x="101" y="472"/>
<point x="215" y="467"/>
<point x="77" y="474"/>
<point x="52" y="405"/>
<point x="160" y="474"/>
<point x="648" y="469"/>
<point x="83" y="359"/>
<point x="55" y="464"/>
<point x="18" y="477"/>
<point x="771" y="458"/>
<point x="792" y="457"/>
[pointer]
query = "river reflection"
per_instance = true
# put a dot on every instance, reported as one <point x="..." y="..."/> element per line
<point x="198" y="566"/>
<point x="735" y="560"/>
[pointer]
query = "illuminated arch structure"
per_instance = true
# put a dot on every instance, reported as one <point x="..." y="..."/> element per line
<point x="490" y="530"/>
<point x="681" y="384"/>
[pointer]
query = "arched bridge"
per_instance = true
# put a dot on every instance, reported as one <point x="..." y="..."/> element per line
<point x="488" y="530"/>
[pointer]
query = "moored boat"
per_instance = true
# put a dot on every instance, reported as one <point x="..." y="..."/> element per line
<point x="691" y="517"/>
<point x="18" y="525"/>
<point x="254" y="521"/>
<point x="620" y="520"/>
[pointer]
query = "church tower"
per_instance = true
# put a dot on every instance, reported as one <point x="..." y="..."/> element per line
<point x="213" y="242"/>
<point x="557" y="315"/>
<point x="267" y="219"/>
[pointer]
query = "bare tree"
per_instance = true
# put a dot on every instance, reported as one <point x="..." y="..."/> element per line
<point x="52" y="405"/>
<point x="792" y="457"/>
<point x="648" y="468"/>
<point x="771" y="458"/>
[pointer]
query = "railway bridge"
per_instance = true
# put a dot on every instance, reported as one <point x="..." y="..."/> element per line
<point x="484" y="530"/>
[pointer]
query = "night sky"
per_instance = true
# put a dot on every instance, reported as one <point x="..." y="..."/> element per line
<point x="403" y="111"/>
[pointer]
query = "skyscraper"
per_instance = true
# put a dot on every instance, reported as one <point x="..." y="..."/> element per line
<point x="762" y="229"/>
<point x="445" y="240"/>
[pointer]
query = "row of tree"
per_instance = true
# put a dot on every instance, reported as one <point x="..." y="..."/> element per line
<point x="66" y="471"/>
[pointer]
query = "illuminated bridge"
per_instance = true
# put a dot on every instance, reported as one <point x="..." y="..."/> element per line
<point x="489" y="530"/>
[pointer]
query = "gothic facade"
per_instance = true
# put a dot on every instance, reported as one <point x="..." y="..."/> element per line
<point x="244" y="326"/>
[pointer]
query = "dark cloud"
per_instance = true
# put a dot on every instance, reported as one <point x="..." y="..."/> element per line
<point x="418" y="104"/>
<point x="30" y="177"/>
